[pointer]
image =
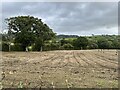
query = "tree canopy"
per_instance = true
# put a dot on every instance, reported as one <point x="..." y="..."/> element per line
<point x="28" y="30"/>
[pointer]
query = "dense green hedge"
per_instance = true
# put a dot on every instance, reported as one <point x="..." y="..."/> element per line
<point x="16" y="47"/>
<point x="67" y="47"/>
<point x="5" y="47"/>
<point x="92" y="42"/>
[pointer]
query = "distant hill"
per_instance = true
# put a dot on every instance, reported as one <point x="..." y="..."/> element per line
<point x="67" y="36"/>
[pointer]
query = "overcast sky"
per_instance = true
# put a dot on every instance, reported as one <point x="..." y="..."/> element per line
<point x="68" y="17"/>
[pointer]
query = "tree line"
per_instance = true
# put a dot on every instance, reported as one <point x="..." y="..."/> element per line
<point x="27" y="33"/>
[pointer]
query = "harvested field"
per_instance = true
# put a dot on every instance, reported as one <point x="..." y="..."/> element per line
<point x="60" y="69"/>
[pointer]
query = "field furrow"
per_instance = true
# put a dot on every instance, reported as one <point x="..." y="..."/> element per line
<point x="80" y="68"/>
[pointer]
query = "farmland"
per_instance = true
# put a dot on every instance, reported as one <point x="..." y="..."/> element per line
<point x="60" y="69"/>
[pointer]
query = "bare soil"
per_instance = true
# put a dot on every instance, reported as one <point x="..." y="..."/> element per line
<point x="60" y="69"/>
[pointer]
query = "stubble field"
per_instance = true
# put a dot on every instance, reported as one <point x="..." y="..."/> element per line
<point x="60" y="69"/>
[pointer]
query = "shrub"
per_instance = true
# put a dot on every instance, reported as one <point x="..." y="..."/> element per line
<point x="47" y="47"/>
<point x="92" y="46"/>
<point x="67" y="46"/>
<point x="5" y="47"/>
<point x="16" y="47"/>
<point x="55" y="46"/>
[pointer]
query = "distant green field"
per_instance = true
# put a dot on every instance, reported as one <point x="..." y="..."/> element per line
<point x="70" y="38"/>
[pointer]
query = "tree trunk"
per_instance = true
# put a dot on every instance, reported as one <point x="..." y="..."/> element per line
<point x="9" y="48"/>
<point x="81" y="48"/>
<point x="41" y="48"/>
<point x="26" y="49"/>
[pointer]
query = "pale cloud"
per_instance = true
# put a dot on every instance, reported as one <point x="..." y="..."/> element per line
<point x="82" y="18"/>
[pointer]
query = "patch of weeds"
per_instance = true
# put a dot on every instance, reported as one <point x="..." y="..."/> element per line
<point x="100" y="83"/>
<point x="20" y="85"/>
<point x="1" y="86"/>
<point x="114" y="83"/>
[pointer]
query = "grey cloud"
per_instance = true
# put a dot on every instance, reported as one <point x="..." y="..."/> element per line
<point x="68" y="17"/>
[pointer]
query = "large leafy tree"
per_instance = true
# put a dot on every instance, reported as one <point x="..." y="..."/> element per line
<point x="28" y="30"/>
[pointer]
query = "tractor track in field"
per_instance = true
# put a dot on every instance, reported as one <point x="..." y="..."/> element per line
<point x="85" y="60"/>
<point x="105" y="58"/>
<point x="98" y="63"/>
<point x="76" y="59"/>
<point x="50" y="58"/>
<point x="62" y="58"/>
<point x="57" y="61"/>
